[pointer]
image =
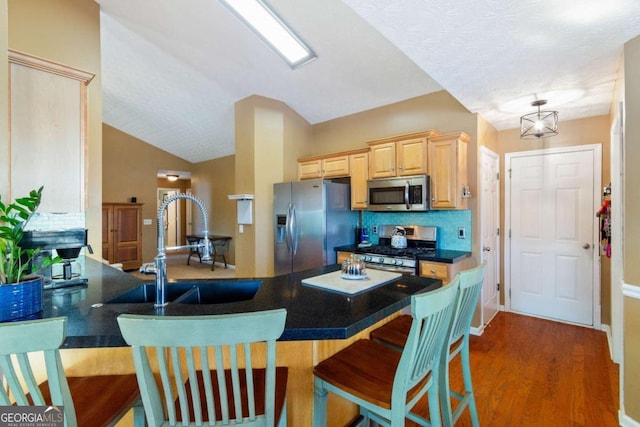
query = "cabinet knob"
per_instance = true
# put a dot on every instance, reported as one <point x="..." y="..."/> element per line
<point x="433" y="271"/>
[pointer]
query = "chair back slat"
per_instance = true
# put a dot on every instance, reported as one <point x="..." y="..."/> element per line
<point x="224" y="344"/>
<point x="431" y="314"/>
<point x="16" y="370"/>
<point x="470" y="286"/>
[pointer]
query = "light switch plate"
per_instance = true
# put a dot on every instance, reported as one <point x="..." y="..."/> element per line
<point x="147" y="221"/>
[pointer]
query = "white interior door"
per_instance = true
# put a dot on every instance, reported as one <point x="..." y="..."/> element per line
<point x="170" y="217"/>
<point x="553" y="232"/>
<point x="489" y="225"/>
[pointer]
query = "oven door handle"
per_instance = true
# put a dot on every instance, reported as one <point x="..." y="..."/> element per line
<point x="406" y="194"/>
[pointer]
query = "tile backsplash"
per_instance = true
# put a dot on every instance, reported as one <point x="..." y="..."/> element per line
<point x="56" y="221"/>
<point x="447" y="222"/>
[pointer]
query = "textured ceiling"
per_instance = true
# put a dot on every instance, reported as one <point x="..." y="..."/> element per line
<point x="172" y="71"/>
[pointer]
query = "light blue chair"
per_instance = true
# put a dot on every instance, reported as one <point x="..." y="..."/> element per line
<point x="458" y="343"/>
<point x="395" y="332"/>
<point x="191" y="353"/>
<point x="88" y="401"/>
<point x="384" y="383"/>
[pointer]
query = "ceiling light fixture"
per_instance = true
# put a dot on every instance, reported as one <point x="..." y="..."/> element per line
<point x="260" y="18"/>
<point x="171" y="177"/>
<point x="539" y="124"/>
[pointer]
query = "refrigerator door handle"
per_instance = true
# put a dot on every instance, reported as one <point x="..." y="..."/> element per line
<point x="294" y="230"/>
<point x="288" y="231"/>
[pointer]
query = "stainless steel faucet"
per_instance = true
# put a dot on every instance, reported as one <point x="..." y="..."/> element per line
<point x="160" y="261"/>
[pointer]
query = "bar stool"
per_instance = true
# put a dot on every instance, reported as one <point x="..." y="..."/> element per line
<point x="387" y="384"/>
<point x="192" y="351"/>
<point x="394" y="334"/>
<point x="88" y="401"/>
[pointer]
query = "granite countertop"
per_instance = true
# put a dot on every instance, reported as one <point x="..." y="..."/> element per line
<point x="441" y="255"/>
<point x="312" y="313"/>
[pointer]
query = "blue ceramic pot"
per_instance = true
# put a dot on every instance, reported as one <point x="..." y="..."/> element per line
<point x="21" y="301"/>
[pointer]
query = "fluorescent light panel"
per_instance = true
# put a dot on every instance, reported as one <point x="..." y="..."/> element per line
<point x="268" y="26"/>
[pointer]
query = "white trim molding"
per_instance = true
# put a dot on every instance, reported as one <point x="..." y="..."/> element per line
<point x="631" y="291"/>
<point x="626" y="421"/>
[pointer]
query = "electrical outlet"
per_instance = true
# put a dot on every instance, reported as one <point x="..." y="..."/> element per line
<point x="374" y="229"/>
<point x="462" y="234"/>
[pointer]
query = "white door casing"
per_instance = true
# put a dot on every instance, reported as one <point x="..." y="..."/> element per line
<point x="551" y="261"/>
<point x="489" y="234"/>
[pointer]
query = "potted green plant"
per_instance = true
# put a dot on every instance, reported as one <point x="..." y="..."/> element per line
<point x="20" y="289"/>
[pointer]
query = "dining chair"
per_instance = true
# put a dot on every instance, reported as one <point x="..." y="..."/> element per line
<point x="199" y="370"/>
<point x="384" y="383"/>
<point x="88" y="401"/>
<point x="395" y="333"/>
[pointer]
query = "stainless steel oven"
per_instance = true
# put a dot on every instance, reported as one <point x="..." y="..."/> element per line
<point x="421" y="241"/>
<point x="409" y="193"/>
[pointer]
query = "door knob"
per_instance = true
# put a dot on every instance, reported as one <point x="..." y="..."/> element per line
<point x="586" y="246"/>
<point x="486" y="248"/>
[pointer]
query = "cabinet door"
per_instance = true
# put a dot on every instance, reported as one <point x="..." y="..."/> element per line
<point x="448" y="170"/>
<point x="359" y="174"/>
<point x="47" y="131"/>
<point x="341" y="256"/>
<point x="382" y="160"/>
<point x="435" y="270"/>
<point x="412" y="157"/>
<point x="107" y="233"/>
<point x="310" y="169"/>
<point x="333" y="167"/>
<point x="127" y="236"/>
<point x="442" y="166"/>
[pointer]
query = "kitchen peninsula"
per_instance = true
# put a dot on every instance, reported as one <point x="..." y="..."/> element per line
<point x="319" y="322"/>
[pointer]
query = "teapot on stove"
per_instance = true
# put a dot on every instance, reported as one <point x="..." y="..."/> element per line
<point x="399" y="238"/>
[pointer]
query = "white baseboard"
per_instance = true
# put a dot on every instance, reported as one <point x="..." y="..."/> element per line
<point x="476" y="331"/>
<point x="626" y="421"/>
<point x="607" y="330"/>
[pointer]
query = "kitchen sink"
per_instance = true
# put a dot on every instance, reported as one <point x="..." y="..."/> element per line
<point x="221" y="292"/>
<point x="147" y="293"/>
<point x="192" y="292"/>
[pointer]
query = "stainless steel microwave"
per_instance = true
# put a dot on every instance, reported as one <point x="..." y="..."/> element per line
<point x="406" y="194"/>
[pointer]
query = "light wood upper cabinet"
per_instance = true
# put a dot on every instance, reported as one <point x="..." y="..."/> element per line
<point x="359" y="174"/>
<point x="335" y="166"/>
<point x="309" y="169"/>
<point x="48" y="131"/>
<point x="399" y="156"/>
<point x="448" y="170"/>
<point x="382" y="160"/>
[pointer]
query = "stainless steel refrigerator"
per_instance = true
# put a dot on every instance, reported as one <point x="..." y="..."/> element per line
<point x="311" y="217"/>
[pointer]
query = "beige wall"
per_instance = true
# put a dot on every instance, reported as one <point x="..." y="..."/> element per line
<point x="631" y="374"/>
<point x="212" y="181"/>
<point x="4" y="101"/>
<point x="130" y="169"/>
<point x="269" y="137"/>
<point x="438" y="111"/>
<point x="68" y="31"/>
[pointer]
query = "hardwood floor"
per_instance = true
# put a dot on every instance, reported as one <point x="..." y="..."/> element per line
<point x="534" y="372"/>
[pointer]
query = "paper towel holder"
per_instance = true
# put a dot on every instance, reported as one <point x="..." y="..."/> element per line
<point x="245" y="207"/>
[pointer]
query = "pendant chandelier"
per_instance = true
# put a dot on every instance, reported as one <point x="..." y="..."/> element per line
<point x="540" y="124"/>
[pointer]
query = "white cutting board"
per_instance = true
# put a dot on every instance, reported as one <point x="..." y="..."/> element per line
<point x="334" y="282"/>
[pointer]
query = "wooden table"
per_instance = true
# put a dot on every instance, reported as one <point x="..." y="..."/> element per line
<point x="218" y="244"/>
